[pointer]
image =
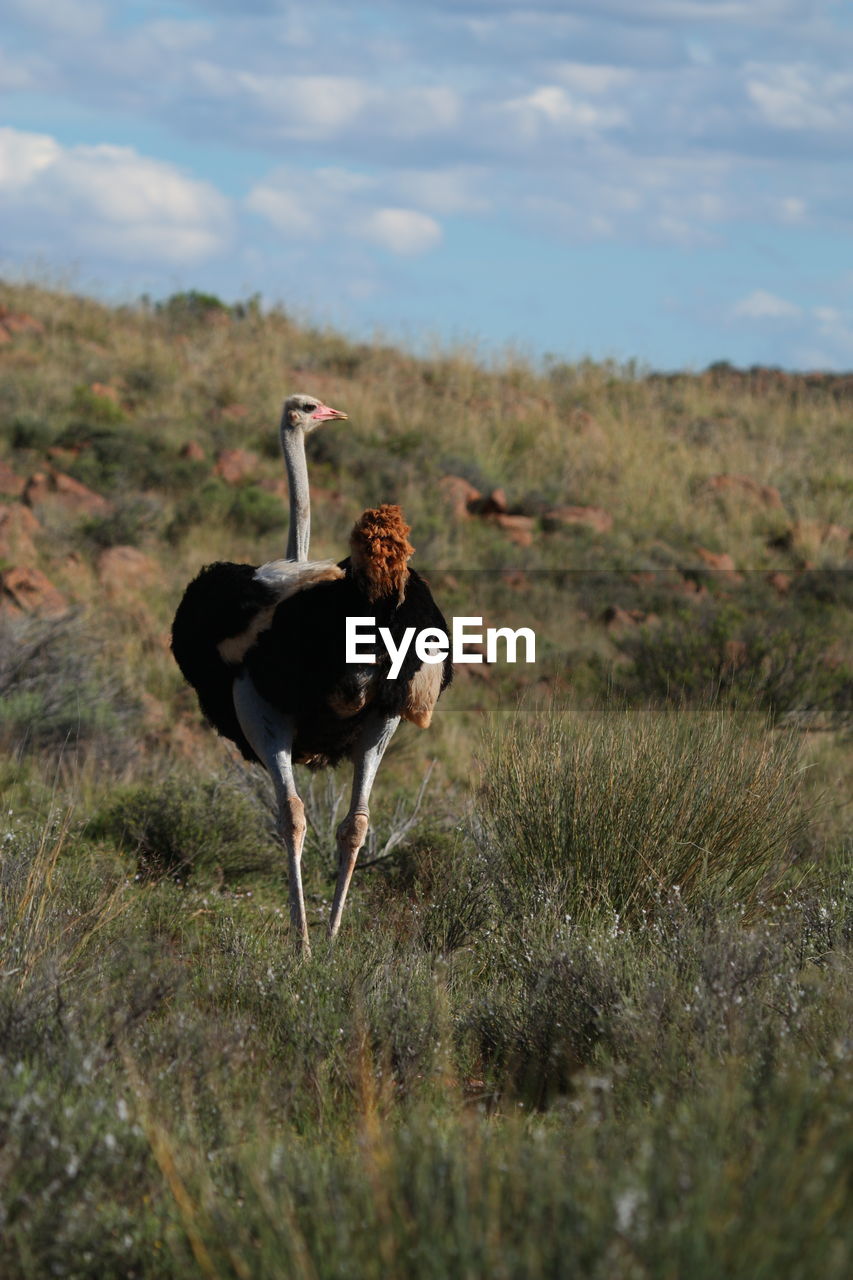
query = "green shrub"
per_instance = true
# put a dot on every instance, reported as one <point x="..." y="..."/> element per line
<point x="606" y="810"/>
<point x="253" y="510"/>
<point x="175" y="826"/>
<point x="778" y="659"/>
<point x="57" y="694"/>
<point x="190" y="306"/>
<point x="248" y="509"/>
<point x="111" y="461"/>
<point x="95" y="408"/>
<point x="30" y="431"/>
<point x="132" y="521"/>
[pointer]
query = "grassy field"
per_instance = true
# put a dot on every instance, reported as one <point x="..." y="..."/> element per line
<point x="589" y="1013"/>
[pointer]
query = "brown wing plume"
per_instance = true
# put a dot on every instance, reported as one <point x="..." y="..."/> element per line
<point x="381" y="551"/>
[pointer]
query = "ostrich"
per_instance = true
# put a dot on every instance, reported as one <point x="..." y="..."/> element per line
<point x="266" y="657"/>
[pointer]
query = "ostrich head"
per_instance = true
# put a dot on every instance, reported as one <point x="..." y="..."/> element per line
<point x="303" y="413"/>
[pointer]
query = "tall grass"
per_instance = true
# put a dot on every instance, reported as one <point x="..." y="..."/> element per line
<point x="608" y="810"/>
<point x="180" y="1096"/>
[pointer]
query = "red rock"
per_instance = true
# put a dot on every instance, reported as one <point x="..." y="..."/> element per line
<point x="58" y="489"/>
<point x="19" y="322"/>
<point x="617" y="619"/>
<point x="318" y="494"/>
<point x="78" y="578"/>
<point x="780" y="582"/>
<point x="516" y="579"/>
<point x="193" y="451"/>
<point x="595" y="518"/>
<point x="106" y="391"/>
<point x="11" y="483"/>
<point x="735" y="653"/>
<point x="233" y="412"/>
<point x="690" y="588"/>
<point x="235" y="465"/>
<point x="30" y="591"/>
<point x="123" y="569"/>
<point x="588" y="427"/>
<point x="460" y="495"/>
<point x="17" y="528"/>
<point x="5" y="335"/>
<point x="519" y="529"/>
<point x="764" y="495"/>
<point x="494" y="504"/>
<point x="720" y="561"/>
<point x="281" y="488"/>
<point x="64" y="453"/>
<point x="475" y="670"/>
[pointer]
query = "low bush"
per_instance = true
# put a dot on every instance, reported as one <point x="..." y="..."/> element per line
<point x="779" y="660"/>
<point x="248" y="510"/>
<point x="175" y="826"/>
<point x="57" y="693"/>
<point x="606" y="810"/>
<point x="130" y="460"/>
<point x="254" y="511"/>
<point x="132" y="521"/>
<point x="102" y="409"/>
<point x="30" y="431"/>
<point x="190" y="307"/>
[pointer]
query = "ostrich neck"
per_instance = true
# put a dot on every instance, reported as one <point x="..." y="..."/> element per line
<point x="299" y="532"/>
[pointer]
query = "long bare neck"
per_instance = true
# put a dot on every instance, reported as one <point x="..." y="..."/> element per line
<point x="299" y="532"/>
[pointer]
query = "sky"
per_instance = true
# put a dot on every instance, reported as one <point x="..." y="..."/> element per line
<point x="667" y="181"/>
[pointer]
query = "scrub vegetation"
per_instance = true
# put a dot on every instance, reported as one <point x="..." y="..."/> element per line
<point x="589" y="1012"/>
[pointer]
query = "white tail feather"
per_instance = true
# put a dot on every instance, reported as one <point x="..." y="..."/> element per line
<point x="286" y="577"/>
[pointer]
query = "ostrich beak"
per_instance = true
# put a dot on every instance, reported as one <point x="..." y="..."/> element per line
<point x="324" y="413"/>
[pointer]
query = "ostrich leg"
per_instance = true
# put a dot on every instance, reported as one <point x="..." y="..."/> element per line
<point x="271" y="735"/>
<point x="376" y="735"/>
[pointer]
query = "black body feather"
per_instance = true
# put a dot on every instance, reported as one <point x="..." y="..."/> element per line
<point x="221" y="602"/>
<point x="298" y="664"/>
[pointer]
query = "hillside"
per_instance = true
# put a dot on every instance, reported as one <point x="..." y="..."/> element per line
<point x="590" y="1007"/>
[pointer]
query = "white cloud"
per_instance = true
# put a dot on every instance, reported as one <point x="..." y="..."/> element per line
<point x="330" y="204"/>
<point x="107" y="199"/>
<point x="448" y="191"/>
<point x="799" y="97"/>
<point x="590" y="78"/>
<point x="836" y="329"/>
<point x="65" y="17"/>
<point x="830" y="346"/>
<point x="632" y="197"/>
<point x="761" y="305"/>
<point x="402" y="231"/>
<point x="793" y="208"/>
<point x="23" y="156"/>
<point x="413" y="112"/>
<point x="284" y="210"/>
<point x="307" y="106"/>
<point x="16" y="73"/>
<point x="550" y="104"/>
<point x="316" y="108"/>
